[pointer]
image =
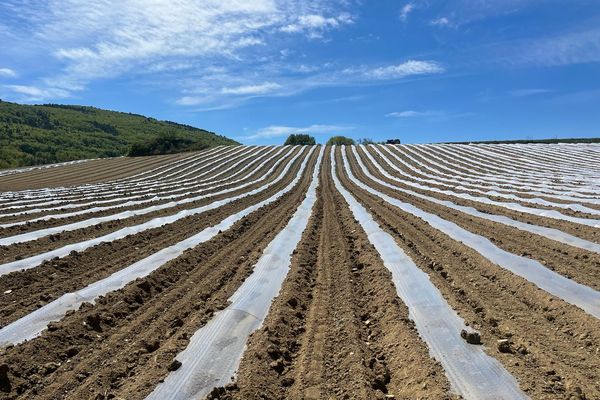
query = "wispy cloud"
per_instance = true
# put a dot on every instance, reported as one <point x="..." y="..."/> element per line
<point x="261" y="88"/>
<point x="432" y="115"/>
<point x="110" y="39"/>
<point x="234" y="87"/>
<point x="315" y="25"/>
<point x="529" y="92"/>
<point x="406" y="10"/>
<point x="408" y="68"/>
<point x="7" y="73"/>
<point x="33" y="93"/>
<point x="412" y="114"/>
<point x="275" y="131"/>
<point x="441" y="21"/>
<point x="568" y="48"/>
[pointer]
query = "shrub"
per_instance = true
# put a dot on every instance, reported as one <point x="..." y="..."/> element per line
<point x="366" y="141"/>
<point x="300" y="139"/>
<point x="340" y="140"/>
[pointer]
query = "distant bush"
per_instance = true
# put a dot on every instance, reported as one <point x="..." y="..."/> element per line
<point x="300" y="139"/>
<point x="392" y="141"/>
<point x="366" y="141"/>
<point x="340" y="140"/>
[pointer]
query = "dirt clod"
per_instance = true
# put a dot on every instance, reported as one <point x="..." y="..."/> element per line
<point x="504" y="346"/>
<point x="470" y="337"/>
<point x="175" y="365"/>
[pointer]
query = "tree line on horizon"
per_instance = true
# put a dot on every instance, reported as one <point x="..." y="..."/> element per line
<point x="307" y="140"/>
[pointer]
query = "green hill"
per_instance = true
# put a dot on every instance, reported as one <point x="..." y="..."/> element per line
<point x="43" y="134"/>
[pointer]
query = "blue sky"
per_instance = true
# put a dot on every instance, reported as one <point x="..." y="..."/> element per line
<point x="256" y="71"/>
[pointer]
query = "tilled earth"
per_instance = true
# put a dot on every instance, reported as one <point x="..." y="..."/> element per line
<point x="336" y="330"/>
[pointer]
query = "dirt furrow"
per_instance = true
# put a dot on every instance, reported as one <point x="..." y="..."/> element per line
<point x="125" y="344"/>
<point x="30" y="289"/>
<point x="581" y="265"/>
<point x="22" y="250"/>
<point x="505" y="187"/>
<point x="553" y="347"/>
<point x="337" y="329"/>
<point x="91" y="172"/>
<point x="572" y="228"/>
<point x="162" y="191"/>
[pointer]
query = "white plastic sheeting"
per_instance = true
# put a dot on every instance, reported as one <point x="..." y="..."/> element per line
<point x="215" y="351"/>
<point x="178" y="191"/>
<point x="570" y="291"/>
<point x="111" y="189"/>
<point x="98" y="191"/>
<point x="549" y="233"/>
<point x="36" y="260"/>
<point x="471" y="372"/>
<point x="527" y="161"/>
<point x="594" y="223"/>
<point x="7" y="172"/>
<point x="34" y="323"/>
<point x="508" y="179"/>
<point x="108" y="194"/>
<point x="544" y="186"/>
<point x="489" y="189"/>
<point x="34" y="235"/>
<point x="431" y="151"/>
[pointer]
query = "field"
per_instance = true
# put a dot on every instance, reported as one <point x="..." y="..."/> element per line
<point x="305" y="272"/>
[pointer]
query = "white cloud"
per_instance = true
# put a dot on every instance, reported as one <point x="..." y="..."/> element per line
<point x="262" y="88"/>
<point x="429" y="115"/>
<point x="407" y="9"/>
<point x="230" y="88"/>
<point x="7" y="73"/>
<point x="408" y="68"/>
<point x="528" y="92"/>
<point x="442" y="21"/>
<point x="108" y="39"/>
<point x="569" y="48"/>
<point x="412" y="114"/>
<point x="33" y="93"/>
<point x="274" y="131"/>
<point x="315" y="24"/>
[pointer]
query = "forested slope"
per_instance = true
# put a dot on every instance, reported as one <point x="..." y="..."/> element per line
<point x="42" y="134"/>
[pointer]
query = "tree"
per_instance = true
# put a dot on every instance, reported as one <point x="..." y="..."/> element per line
<point x="366" y="141"/>
<point x="300" y="139"/>
<point x="340" y="140"/>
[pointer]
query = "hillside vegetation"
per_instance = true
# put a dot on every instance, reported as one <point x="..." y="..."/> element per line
<point x="43" y="134"/>
<point x="340" y="141"/>
<point x="300" y="139"/>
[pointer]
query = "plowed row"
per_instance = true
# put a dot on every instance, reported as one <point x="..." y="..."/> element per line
<point x="484" y="224"/>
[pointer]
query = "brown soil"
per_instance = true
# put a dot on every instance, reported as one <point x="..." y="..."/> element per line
<point x="495" y="198"/>
<point x="33" y="288"/>
<point x="579" y="230"/>
<point x="123" y="345"/>
<point x="578" y="264"/>
<point x="338" y="329"/>
<point x="89" y="172"/>
<point x="75" y="200"/>
<point x="47" y="243"/>
<point x="556" y="345"/>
